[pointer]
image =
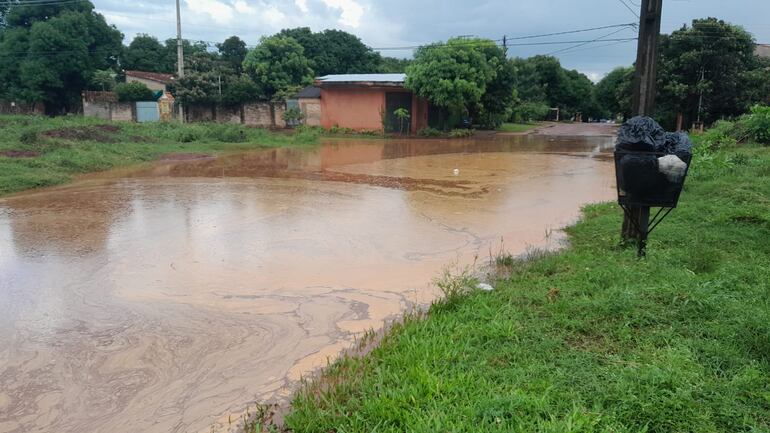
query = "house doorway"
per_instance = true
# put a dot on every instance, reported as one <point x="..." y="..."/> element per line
<point x="394" y="101"/>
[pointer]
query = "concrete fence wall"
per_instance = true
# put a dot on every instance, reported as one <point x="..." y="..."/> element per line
<point x="105" y="105"/>
<point x="9" y="107"/>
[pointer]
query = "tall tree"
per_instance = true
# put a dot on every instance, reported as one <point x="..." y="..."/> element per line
<point x="454" y="76"/>
<point x="233" y="51"/>
<point x="614" y="92"/>
<point x="279" y="66"/>
<point x="335" y="51"/>
<point x="212" y="80"/>
<point x="393" y="65"/>
<point x="542" y="80"/>
<point x="145" y="53"/>
<point x="50" y="52"/>
<point x="711" y="57"/>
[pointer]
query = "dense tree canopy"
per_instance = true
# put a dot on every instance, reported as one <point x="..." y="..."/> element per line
<point x="233" y="51"/>
<point x="457" y="75"/>
<point x="50" y="53"/>
<point x="145" y="53"/>
<point x="335" y="51"/>
<point x="614" y="92"/>
<point x="210" y="79"/>
<point x="279" y="67"/>
<point x="542" y="80"/>
<point x="712" y="57"/>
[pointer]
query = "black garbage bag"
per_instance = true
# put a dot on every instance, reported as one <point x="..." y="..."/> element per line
<point x="679" y="144"/>
<point x="641" y="134"/>
<point x="640" y="175"/>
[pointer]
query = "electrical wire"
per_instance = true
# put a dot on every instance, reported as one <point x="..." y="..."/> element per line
<point x="629" y="8"/>
<point x="601" y="38"/>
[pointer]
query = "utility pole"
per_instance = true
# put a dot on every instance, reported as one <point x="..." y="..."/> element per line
<point x="644" y="99"/>
<point x="179" y="55"/>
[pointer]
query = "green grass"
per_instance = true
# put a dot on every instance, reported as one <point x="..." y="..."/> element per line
<point x="591" y="339"/>
<point x="79" y="145"/>
<point x="518" y="127"/>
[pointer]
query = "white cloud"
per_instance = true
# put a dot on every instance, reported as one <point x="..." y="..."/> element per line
<point x="243" y="8"/>
<point x="302" y="5"/>
<point x="352" y="12"/>
<point x="273" y="17"/>
<point x="220" y="12"/>
<point x="594" y="76"/>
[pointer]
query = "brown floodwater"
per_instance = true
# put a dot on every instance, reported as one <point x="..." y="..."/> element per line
<point x="166" y="297"/>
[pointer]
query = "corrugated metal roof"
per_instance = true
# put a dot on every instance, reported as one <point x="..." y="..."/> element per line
<point x="153" y="76"/>
<point x="363" y="78"/>
<point x="310" y="92"/>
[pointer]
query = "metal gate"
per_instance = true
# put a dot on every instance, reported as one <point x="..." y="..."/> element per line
<point x="147" y="112"/>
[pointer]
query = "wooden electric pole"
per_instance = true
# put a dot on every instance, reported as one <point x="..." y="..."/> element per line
<point x="179" y="55"/>
<point x="644" y="99"/>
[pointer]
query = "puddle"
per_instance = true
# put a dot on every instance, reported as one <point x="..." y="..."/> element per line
<point x="162" y="298"/>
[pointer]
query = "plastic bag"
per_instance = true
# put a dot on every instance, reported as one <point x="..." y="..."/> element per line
<point x="679" y="144"/>
<point x="641" y="134"/>
<point x="640" y="175"/>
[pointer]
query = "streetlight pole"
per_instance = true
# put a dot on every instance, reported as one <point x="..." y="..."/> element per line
<point x="179" y="55"/>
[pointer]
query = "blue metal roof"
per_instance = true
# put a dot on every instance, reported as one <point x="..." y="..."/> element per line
<point x="363" y="78"/>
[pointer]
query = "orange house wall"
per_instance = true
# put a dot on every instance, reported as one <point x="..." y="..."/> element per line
<point x="360" y="108"/>
<point x="355" y="108"/>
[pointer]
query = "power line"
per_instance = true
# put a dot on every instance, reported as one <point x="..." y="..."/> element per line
<point x="629" y="8"/>
<point x="506" y="38"/>
<point x="30" y="3"/>
<point x="601" y="38"/>
<point x="573" y="31"/>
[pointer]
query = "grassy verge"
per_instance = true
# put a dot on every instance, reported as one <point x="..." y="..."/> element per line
<point x="517" y="127"/>
<point x="591" y="339"/>
<point x="38" y="151"/>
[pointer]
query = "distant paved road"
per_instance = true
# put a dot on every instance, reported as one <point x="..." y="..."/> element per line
<point x="578" y="129"/>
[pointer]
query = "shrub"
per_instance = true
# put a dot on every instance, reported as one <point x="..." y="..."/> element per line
<point x="429" y="132"/>
<point x="721" y="135"/>
<point x="758" y="124"/>
<point x="28" y="136"/>
<point x="132" y="92"/>
<point x="187" y="136"/>
<point x="530" y="111"/>
<point x="226" y="133"/>
<point x="460" y="133"/>
<point x="293" y="115"/>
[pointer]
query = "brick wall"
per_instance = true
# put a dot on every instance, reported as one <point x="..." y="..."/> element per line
<point x="258" y="114"/>
<point x="311" y="108"/>
<point x="229" y="115"/>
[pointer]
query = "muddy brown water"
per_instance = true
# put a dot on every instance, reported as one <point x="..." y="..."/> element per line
<point x="166" y="297"/>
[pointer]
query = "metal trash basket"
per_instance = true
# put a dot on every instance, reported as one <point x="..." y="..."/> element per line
<point x="641" y="184"/>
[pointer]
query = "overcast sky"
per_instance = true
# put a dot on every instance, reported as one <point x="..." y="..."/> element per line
<point x="400" y="23"/>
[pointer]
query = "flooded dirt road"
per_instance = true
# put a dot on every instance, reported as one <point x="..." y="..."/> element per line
<point x="164" y="298"/>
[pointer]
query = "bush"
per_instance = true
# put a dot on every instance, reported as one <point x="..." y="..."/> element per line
<point x="460" y="133"/>
<point x="28" y="136"/>
<point x="293" y="115"/>
<point x="187" y="136"/>
<point x="132" y="92"/>
<point x="758" y="124"/>
<point x="226" y="133"/>
<point x="530" y="111"/>
<point x="721" y="135"/>
<point x="429" y="132"/>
